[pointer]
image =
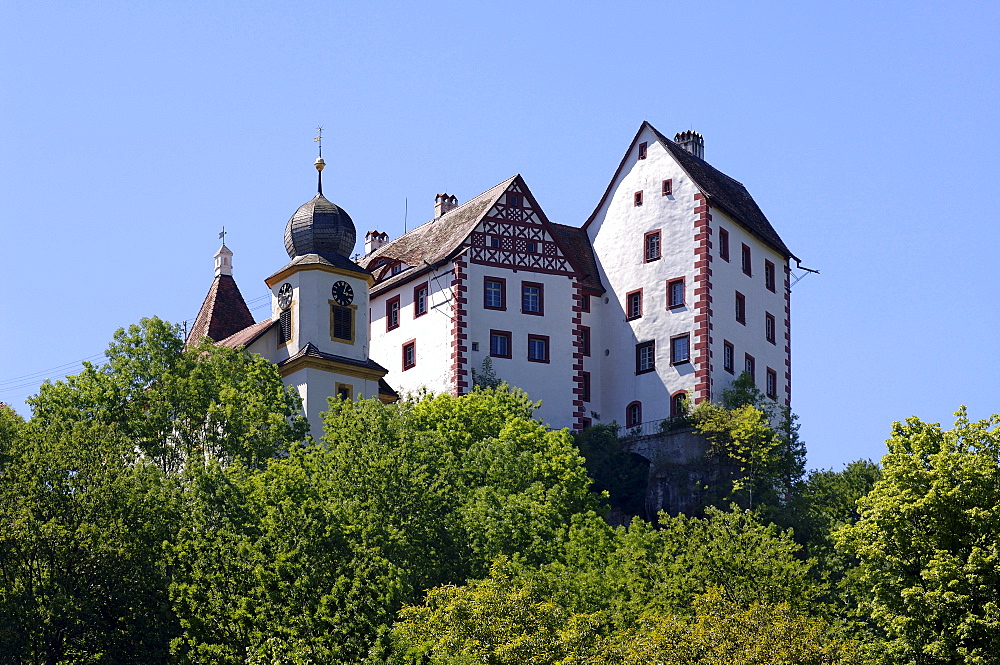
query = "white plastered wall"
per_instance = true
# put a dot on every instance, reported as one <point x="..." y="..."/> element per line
<point x="617" y="233"/>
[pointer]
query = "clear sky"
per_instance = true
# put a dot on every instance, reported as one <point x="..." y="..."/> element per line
<point x="867" y="132"/>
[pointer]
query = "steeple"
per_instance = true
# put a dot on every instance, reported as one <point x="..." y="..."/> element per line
<point x="224" y="311"/>
<point x="223" y="261"/>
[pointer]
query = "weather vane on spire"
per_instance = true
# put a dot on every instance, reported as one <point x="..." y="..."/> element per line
<point x="222" y="235"/>
<point x="319" y="139"/>
<point x="319" y="161"/>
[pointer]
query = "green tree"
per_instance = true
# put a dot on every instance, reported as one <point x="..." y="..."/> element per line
<point x="613" y="469"/>
<point x="446" y="483"/>
<point x="928" y="545"/>
<point x="175" y="402"/>
<point x="81" y="528"/>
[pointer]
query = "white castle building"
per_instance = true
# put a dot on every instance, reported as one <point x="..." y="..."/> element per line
<point x="674" y="285"/>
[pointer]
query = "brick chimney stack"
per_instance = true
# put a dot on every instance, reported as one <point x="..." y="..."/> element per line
<point x="374" y="240"/>
<point x="691" y="141"/>
<point x="443" y="203"/>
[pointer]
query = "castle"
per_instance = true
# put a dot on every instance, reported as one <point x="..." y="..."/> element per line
<point x="675" y="284"/>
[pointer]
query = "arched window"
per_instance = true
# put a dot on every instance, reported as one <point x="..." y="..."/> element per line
<point x="633" y="414"/>
<point x="678" y="404"/>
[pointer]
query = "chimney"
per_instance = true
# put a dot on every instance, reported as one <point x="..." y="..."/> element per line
<point x="691" y="141"/>
<point x="374" y="240"/>
<point x="443" y="203"/>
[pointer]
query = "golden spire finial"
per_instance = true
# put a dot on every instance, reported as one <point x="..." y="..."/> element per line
<point x="319" y="163"/>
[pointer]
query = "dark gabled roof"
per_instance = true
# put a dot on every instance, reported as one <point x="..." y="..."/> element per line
<point x="722" y="191"/>
<point x="434" y="241"/>
<point x="328" y="260"/>
<point x="385" y="389"/>
<point x="223" y="313"/>
<point x="440" y="239"/>
<point x="249" y="335"/>
<point x="575" y="242"/>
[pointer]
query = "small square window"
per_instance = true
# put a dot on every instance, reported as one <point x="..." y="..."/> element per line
<point x="675" y="293"/>
<point x="531" y="247"/>
<point x="633" y="414"/>
<point x="345" y="391"/>
<point x="769" y="275"/>
<point x="513" y="199"/>
<point x="769" y="328"/>
<point x="642" y="150"/>
<point x="409" y="355"/>
<point x="495" y="241"/>
<point x="749" y="366"/>
<point x="637" y="199"/>
<point x="652" y="247"/>
<point x="500" y="343"/>
<point x="746" y="261"/>
<point x="495" y="293"/>
<point x="667" y="187"/>
<point x="538" y="348"/>
<point x="728" y="357"/>
<point x="633" y="305"/>
<point x="420" y="300"/>
<point x="723" y="244"/>
<point x="475" y="346"/>
<point x="392" y="313"/>
<point x="532" y="298"/>
<point x="741" y="308"/>
<point x="771" y="387"/>
<point x="645" y="357"/>
<point x="680" y="350"/>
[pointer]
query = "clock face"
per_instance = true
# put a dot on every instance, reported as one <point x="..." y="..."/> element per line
<point x="343" y="294"/>
<point x="285" y="296"/>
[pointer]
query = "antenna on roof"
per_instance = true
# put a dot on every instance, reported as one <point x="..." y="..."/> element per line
<point x="406" y="211"/>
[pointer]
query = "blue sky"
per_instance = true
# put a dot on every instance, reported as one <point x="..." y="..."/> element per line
<point x="867" y="132"/>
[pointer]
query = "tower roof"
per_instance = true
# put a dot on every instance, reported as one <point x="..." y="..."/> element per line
<point x="224" y="311"/>
<point x="320" y="227"/>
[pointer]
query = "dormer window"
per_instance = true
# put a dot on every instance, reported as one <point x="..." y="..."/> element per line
<point x="397" y="268"/>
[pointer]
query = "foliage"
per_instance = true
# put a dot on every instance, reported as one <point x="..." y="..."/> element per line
<point x="446" y="484"/>
<point x="613" y="469"/>
<point x="505" y="621"/>
<point x="927" y="539"/>
<point x="266" y="570"/>
<point x="175" y="402"/>
<point x="760" y="438"/>
<point x="81" y="527"/>
<point x="486" y="377"/>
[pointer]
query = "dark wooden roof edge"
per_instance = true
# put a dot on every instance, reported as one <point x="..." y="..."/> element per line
<point x="312" y="351"/>
<point x="250" y="333"/>
<point x="778" y="245"/>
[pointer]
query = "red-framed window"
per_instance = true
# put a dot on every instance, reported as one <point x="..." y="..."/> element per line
<point x="409" y="354"/>
<point x="645" y="357"/>
<point x="637" y="198"/>
<point x="500" y="343"/>
<point x="585" y="386"/>
<point x="584" y="302"/>
<point x="633" y="305"/>
<point x="392" y="313"/>
<point x="642" y="150"/>
<point x="746" y="260"/>
<point x="750" y="366"/>
<point x="675" y="293"/>
<point x="667" y="188"/>
<point x="651" y="246"/>
<point x="679" y="404"/>
<point x="680" y="349"/>
<point x="585" y="340"/>
<point x="769" y="275"/>
<point x="771" y="385"/>
<point x="723" y="244"/>
<point x="533" y="298"/>
<point x="741" y="308"/>
<point x="633" y="414"/>
<point x="420" y="300"/>
<point x="538" y="348"/>
<point x="494" y="293"/>
<point x="728" y="357"/>
<point x="769" y="333"/>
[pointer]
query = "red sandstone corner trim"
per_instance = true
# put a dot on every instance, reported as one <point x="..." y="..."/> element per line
<point x="459" y="328"/>
<point x="703" y="300"/>
<point x="788" y="335"/>
<point x="576" y="330"/>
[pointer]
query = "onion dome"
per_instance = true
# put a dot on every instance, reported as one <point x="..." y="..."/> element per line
<point x="320" y="227"/>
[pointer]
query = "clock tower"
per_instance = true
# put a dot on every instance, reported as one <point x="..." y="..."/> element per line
<point x="319" y="302"/>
